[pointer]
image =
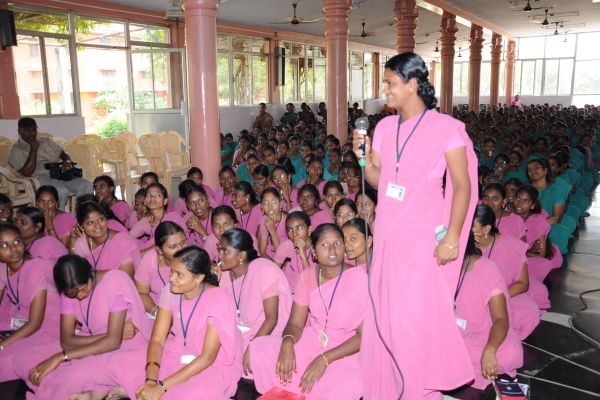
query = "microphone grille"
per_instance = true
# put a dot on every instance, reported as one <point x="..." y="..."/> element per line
<point x="362" y="123"/>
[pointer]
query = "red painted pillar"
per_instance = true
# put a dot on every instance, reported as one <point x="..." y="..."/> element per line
<point x="433" y="74"/>
<point x="511" y="55"/>
<point x="336" y="35"/>
<point x="448" y="31"/>
<point x="476" y="40"/>
<point x="406" y="13"/>
<point x="495" y="64"/>
<point x="10" y="107"/>
<point x="201" y="48"/>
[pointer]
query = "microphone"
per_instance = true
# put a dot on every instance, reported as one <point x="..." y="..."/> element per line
<point x="362" y="124"/>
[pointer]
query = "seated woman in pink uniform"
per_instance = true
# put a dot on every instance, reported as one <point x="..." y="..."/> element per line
<point x="344" y="211"/>
<point x="223" y="218"/>
<point x="484" y="315"/>
<point x="196" y="350"/>
<point x="139" y="209"/>
<point x="227" y="180"/>
<point x="354" y="181"/>
<point x="367" y="204"/>
<point x="315" y="174"/>
<point x="543" y="255"/>
<point x="507" y="223"/>
<point x="58" y="222"/>
<point x="271" y="229"/>
<point x="112" y="221"/>
<point x="259" y="290"/>
<point x="194" y="174"/>
<point x="30" y="221"/>
<point x="333" y="192"/>
<point x="152" y="275"/>
<point x="358" y="239"/>
<point x="104" y="188"/>
<point x="509" y="254"/>
<point x="5" y="209"/>
<point x="149" y="178"/>
<point x="318" y="358"/>
<point x="198" y="219"/>
<point x="113" y="320"/>
<point x="295" y="255"/>
<point x="31" y="311"/>
<point x="246" y="207"/>
<point x="310" y="199"/>
<point x="261" y="179"/>
<point x="156" y="202"/>
<point x="104" y="248"/>
<point x="282" y="179"/>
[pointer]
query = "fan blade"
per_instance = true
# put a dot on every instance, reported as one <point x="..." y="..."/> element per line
<point x="421" y="43"/>
<point x="310" y="21"/>
<point x="278" y="23"/>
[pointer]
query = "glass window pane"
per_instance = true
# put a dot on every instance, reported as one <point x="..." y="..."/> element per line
<point x="148" y="33"/>
<point x="223" y="79"/>
<point x="260" y="68"/>
<point x="587" y="78"/>
<point x="485" y="79"/>
<point x="464" y="82"/>
<point x="502" y="78"/>
<point x="456" y="79"/>
<point x="527" y="79"/>
<point x="531" y="48"/>
<point x="239" y="43"/>
<point x="302" y="79"/>
<point x="368" y="58"/>
<point x="538" y="77"/>
<point x="312" y="51"/>
<point x="297" y="49"/>
<point x="551" y="77"/>
<point x="310" y="79"/>
<point x="260" y="45"/>
<point x="141" y="65"/>
<point x="369" y="81"/>
<point x="560" y="46"/>
<point x="291" y="80"/>
<point x="29" y="75"/>
<point x="566" y="75"/>
<point x="98" y="31"/>
<point x="320" y="79"/>
<point x="60" y="83"/>
<point x="580" y="101"/>
<point x="162" y="86"/>
<point x="517" y="83"/>
<point x="241" y="79"/>
<point x="587" y="46"/>
<point x="222" y="41"/>
<point x="41" y="22"/>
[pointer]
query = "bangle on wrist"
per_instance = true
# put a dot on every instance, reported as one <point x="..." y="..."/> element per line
<point x="163" y="386"/>
<point x="149" y="363"/>
<point x="152" y="380"/>
<point x="293" y="338"/>
<point x="64" y="354"/>
<point x="325" y="358"/>
<point x="370" y="165"/>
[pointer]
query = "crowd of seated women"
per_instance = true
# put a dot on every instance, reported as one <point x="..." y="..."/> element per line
<point x="265" y="277"/>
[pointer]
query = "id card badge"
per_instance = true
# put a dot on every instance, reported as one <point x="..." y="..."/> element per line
<point x="16" y="323"/>
<point x="395" y="191"/>
<point x="150" y="316"/>
<point x="243" y="328"/>
<point x="188" y="358"/>
<point x="461" y="323"/>
<point x="323" y="339"/>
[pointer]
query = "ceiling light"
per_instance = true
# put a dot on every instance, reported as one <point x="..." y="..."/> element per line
<point x="528" y="7"/>
<point x="437" y="49"/>
<point x="174" y="11"/>
<point x="460" y="51"/>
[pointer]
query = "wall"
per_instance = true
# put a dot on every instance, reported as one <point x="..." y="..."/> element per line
<point x="65" y="127"/>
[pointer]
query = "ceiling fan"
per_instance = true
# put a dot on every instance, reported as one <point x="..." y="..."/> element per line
<point x="528" y="7"/>
<point x="364" y="33"/>
<point x="296" y="20"/>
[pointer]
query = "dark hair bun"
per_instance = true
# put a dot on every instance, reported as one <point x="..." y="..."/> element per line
<point x="409" y="66"/>
<point x="426" y="92"/>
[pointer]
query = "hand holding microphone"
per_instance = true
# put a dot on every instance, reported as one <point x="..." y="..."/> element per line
<point x="361" y="143"/>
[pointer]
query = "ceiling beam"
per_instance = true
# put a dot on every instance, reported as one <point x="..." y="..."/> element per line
<point x="464" y="14"/>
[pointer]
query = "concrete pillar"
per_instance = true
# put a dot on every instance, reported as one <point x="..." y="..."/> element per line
<point x="511" y="55"/>
<point x="336" y="35"/>
<point x="476" y="40"/>
<point x="201" y="48"/>
<point x="448" y="31"/>
<point x="495" y="64"/>
<point x="406" y="13"/>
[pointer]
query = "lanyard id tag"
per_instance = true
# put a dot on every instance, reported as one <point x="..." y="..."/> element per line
<point x="395" y="191"/>
<point x="188" y="358"/>
<point x="243" y="328"/>
<point x="461" y="323"/>
<point x="150" y="316"/>
<point x="323" y="339"/>
<point x="16" y="323"/>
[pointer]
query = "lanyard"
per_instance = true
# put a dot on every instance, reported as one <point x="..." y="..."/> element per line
<point x="247" y="219"/>
<point x="332" y="296"/>
<point x="235" y="299"/>
<point x="16" y="295"/>
<point x="207" y="219"/>
<point x="185" y="328"/>
<point x="492" y="248"/>
<point x="159" y="275"/>
<point x="299" y="264"/>
<point x="528" y="215"/>
<point x="399" y="153"/>
<point x="460" y="283"/>
<point x="86" y="319"/>
<point x="276" y="226"/>
<point x="499" y="220"/>
<point x="101" y="250"/>
<point x="152" y="230"/>
<point x="28" y="248"/>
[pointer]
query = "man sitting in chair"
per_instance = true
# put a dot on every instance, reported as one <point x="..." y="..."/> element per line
<point x="29" y="154"/>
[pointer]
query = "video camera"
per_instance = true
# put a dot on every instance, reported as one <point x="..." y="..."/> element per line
<point x="57" y="172"/>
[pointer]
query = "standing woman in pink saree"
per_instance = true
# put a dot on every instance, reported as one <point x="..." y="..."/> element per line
<point x="156" y="202"/>
<point x="507" y="223"/>
<point x="30" y="221"/>
<point x="31" y="311"/>
<point x="58" y="222"/>
<point x="76" y="366"/>
<point x="152" y="274"/>
<point x="259" y="290"/>
<point x="198" y="219"/>
<point x="104" y="188"/>
<point x="195" y="351"/>
<point x="412" y="277"/>
<point x="317" y="353"/>
<point x="271" y="229"/>
<point x="245" y="203"/>
<point x="103" y="248"/>
<point x="509" y="254"/>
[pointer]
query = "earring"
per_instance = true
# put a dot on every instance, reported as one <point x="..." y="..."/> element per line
<point x="411" y="90"/>
<point x="486" y="235"/>
<point x="241" y="262"/>
<point x="161" y="258"/>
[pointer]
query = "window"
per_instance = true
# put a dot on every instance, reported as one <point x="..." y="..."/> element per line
<point x="531" y="47"/>
<point x="587" y="78"/>
<point x="485" y="79"/>
<point x="461" y="79"/>
<point x="587" y="46"/>
<point x="560" y="46"/>
<point x="148" y="33"/>
<point x="99" y="31"/>
<point x="108" y="73"/>
<point x="34" y="50"/>
<point x="36" y="74"/>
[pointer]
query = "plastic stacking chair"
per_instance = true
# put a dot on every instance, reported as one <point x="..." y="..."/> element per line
<point x="173" y="162"/>
<point x="560" y="235"/>
<point x="92" y="139"/>
<point x="43" y="134"/>
<point x="573" y="212"/>
<point x="21" y="190"/>
<point x="119" y="151"/>
<point x="93" y="165"/>
<point x="586" y="183"/>
<point x="175" y="142"/>
<point x="569" y="222"/>
<point x="4" y="139"/>
<point x="580" y="201"/>
<point x="58" y="140"/>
